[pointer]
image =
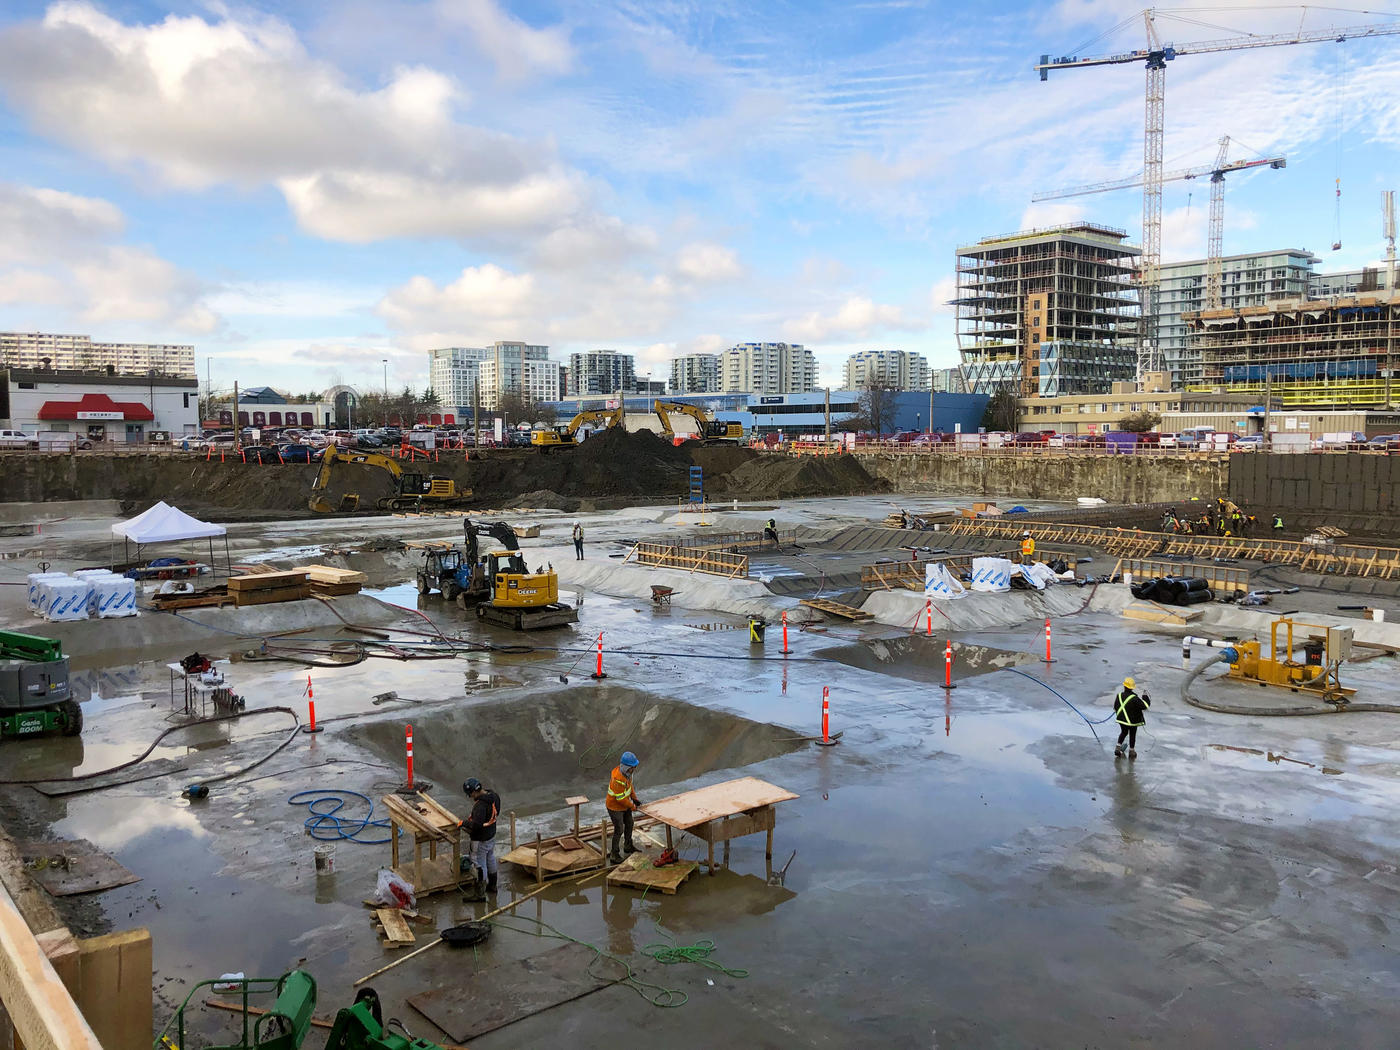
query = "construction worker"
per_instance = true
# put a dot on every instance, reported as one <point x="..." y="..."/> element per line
<point x="481" y="831"/>
<point x="1278" y="524"/>
<point x="770" y="531"/>
<point x="578" y="542"/>
<point x="1027" y="547"/>
<point x="1128" y="711"/>
<point x="622" y="803"/>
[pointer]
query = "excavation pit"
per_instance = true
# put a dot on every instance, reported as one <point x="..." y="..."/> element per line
<point x="920" y="658"/>
<point x="539" y="748"/>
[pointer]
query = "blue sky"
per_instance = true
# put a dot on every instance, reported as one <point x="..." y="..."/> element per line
<point x="305" y="189"/>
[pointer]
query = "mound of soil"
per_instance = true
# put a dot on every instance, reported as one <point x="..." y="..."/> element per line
<point x="614" y="466"/>
<point x="789" y="477"/>
<point x="721" y="459"/>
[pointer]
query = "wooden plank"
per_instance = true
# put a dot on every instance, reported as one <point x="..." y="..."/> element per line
<point x="395" y="926"/>
<point x="264" y="581"/>
<point x="501" y="995"/>
<point x="725" y="828"/>
<point x="848" y="612"/>
<point x="272" y="597"/>
<point x="554" y="859"/>
<point x="638" y="872"/>
<point x="65" y="869"/>
<point x="115" y="995"/>
<point x="718" y="800"/>
<point x="329" y="574"/>
<point x="410" y="815"/>
<point x="44" y="1015"/>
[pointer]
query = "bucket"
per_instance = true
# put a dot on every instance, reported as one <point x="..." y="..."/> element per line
<point x="1378" y="615"/>
<point x="325" y="859"/>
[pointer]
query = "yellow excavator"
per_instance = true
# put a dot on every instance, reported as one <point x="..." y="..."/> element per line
<point x="412" y="490"/>
<point x="563" y="437"/>
<point x="709" y="430"/>
<point x="497" y="581"/>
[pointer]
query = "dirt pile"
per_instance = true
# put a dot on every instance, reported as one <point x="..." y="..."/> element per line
<point x="789" y="477"/>
<point x="613" y="468"/>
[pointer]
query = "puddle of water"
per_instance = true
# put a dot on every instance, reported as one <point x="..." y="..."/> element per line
<point x="922" y="659"/>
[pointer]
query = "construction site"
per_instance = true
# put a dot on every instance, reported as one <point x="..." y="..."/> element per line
<point x="875" y="784"/>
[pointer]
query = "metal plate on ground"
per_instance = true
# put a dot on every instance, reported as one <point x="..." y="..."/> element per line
<point x="68" y="868"/>
<point x="504" y="994"/>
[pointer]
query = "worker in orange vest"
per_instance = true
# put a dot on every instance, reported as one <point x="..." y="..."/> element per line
<point x="1027" y="547"/>
<point x="622" y="803"/>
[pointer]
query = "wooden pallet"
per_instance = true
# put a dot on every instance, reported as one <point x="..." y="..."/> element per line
<point x="637" y="872"/>
<point x="846" y="612"/>
<point x="395" y="927"/>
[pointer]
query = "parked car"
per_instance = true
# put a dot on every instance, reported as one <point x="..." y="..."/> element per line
<point x="1248" y="443"/>
<point x="261" y="454"/>
<point x="368" y="441"/>
<point x="17" y="439"/>
<point x="299" y="453"/>
<point x="1384" y="443"/>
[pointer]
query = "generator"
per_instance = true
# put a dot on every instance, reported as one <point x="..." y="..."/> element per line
<point x="34" y="692"/>
<point x="1317" y="671"/>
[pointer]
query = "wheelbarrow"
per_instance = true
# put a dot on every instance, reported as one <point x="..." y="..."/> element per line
<point x="661" y="595"/>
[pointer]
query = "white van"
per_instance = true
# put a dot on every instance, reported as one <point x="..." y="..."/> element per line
<point x="17" y="439"/>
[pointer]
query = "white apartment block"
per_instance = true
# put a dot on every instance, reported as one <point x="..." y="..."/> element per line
<point x="948" y="381"/>
<point x="767" y="368"/>
<point x="695" y="374"/>
<point x="504" y="371"/>
<point x="894" y="369"/>
<point x="600" y="372"/>
<point x="453" y="372"/>
<point x="78" y="353"/>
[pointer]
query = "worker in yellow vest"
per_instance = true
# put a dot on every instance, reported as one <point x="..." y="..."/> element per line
<point x="1027" y="547"/>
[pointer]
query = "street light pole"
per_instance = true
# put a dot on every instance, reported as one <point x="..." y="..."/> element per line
<point x="384" y="412"/>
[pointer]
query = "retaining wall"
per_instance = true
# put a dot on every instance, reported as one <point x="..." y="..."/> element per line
<point x="1117" y="479"/>
<point x="1357" y="483"/>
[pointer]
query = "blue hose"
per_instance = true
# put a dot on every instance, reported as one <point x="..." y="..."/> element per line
<point x="1076" y="710"/>
<point x="324" y="824"/>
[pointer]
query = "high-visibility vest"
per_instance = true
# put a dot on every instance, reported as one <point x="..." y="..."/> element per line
<point x="1278" y="522"/>
<point x="1027" y="547"/>
<point x="1120" y="708"/>
<point x="620" y="791"/>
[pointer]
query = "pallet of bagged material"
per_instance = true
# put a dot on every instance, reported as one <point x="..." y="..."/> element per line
<point x="330" y="576"/>
<point x="267" y="581"/>
<point x="272" y="596"/>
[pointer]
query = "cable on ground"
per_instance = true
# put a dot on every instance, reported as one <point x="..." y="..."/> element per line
<point x="1076" y="710"/>
<point x="325" y="822"/>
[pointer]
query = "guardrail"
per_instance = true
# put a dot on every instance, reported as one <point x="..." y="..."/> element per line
<point x="948" y="448"/>
<point x="1329" y="559"/>
<point x="691" y="559"/>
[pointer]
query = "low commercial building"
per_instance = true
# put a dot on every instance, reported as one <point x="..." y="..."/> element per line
<point x="98" y="407"/>
<point x="1097" y="413"/>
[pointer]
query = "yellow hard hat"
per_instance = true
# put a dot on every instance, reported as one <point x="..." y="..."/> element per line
<point x="1129" y="682"/>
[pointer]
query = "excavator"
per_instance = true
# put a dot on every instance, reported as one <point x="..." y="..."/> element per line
<point x="499" y="583"/>
<point x="709" y="430"/>
<point x="563" y="437"/>
<point x="411" y="489"/>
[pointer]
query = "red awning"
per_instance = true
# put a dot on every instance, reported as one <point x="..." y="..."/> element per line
<point x="100" y="405"/>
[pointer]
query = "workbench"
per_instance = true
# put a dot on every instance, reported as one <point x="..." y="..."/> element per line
<point x="203" y="689"/>
<point x="432" y="825"/>
<point x="722" y="812"/>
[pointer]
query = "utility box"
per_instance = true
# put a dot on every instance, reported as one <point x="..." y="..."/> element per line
<point x="1339" y="641"/>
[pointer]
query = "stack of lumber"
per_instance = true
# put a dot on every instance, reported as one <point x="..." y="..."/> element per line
<point x="329" y="582"/>
<point x="267" y="588"/>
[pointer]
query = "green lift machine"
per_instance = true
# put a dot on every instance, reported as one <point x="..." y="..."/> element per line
<point x="34" y="692"/>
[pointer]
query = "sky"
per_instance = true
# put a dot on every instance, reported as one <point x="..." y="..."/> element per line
<point x="307" y="190"/>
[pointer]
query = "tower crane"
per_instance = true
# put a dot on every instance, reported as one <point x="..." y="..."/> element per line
<point x="1217" y="173"/>
<point x="1155" y="57"/>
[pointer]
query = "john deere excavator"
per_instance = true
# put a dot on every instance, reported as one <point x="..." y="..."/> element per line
<point x="564" y="437"/>
<point x="709" y="430"/>
<point x="498" y="583"/>
<point x="412" y="490"/>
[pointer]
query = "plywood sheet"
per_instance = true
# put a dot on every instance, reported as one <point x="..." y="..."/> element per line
<point x="555" y="859"/>
<point x="637" y="872"/>
<point x="395" y="926"/>
<point x="718" y="800"/>
<point x="504" y="994"/>
<point x="69" y="868"/>
<point x="329" y="574"/>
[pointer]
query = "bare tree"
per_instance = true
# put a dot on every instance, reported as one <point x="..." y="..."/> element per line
<point x="877" y="406"/>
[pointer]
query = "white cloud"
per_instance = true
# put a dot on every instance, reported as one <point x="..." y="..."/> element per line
<point x="60" y="253"/>
<point x="517" y="50"/>
<point x="707" y="262"/>
<point x="239" y="100"/>
<point x="858" y="316"/>
<point x="480" y="298"/>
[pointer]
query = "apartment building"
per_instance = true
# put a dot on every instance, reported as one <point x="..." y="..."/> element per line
<point x="894" y="369"/>
<point x="695" y="374"/>
<point x="454" y="372"/>
<point x="78" y="353"/>
<point x="767" y="368"/>
<point x="600" y="372"/>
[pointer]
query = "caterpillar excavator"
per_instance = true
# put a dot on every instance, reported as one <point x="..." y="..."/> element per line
<point x="412" y="490"/>
<point x="563" y="437"/>
<point x="709" y="430"/>
<point x="498" y="583"/>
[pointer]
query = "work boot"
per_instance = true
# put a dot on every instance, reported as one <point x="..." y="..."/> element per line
<point x="629" y="849"/>
<point x="491" y="884"/>
<point x="1117" y="752"/>
<point x="614" y="858"/>
<point x="1132" y="754"/>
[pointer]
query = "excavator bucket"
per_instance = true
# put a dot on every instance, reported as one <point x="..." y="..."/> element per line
<point x="320" y="505"/>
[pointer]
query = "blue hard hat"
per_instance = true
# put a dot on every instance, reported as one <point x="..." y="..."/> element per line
<point x="471" y="784"/>
<point x="629" y="760"/>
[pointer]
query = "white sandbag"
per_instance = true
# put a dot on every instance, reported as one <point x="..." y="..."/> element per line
<point x="65" y="599"/>
<point x="991" y="574"/>
<point x="1037" y="575"/>
<point x="1089" y="501"/>
<point x="940" y="583"/>
<point x="90" y="574"/>
<point x="36" y="580"/>
<point x="113" y="597"/>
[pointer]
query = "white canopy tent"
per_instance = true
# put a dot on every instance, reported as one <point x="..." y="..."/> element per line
<point x="163" y="523"/>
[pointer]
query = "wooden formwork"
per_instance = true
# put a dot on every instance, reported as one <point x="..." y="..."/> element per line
<point x="1221" y="578"/>
<point x="1327" y="559"/>
<point x="691" y="559"/>
<point x="735" y="542"/>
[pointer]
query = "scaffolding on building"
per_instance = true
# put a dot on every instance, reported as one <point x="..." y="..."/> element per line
<point x="1048" y="311"/>
<point x="1308" y="353"/>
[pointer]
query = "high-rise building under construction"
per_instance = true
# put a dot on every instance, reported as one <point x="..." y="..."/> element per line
<point x="1048" y="311"/>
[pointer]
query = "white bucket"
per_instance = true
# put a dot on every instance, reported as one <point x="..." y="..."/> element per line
<point x="1378" y="615"/>
<point x="1128" y="578"/>
<point x="325" y="859"/>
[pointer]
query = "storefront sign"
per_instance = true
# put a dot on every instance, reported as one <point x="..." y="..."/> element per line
<point x="101" y="415"/>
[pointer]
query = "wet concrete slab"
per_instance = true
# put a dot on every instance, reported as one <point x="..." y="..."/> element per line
<point x="973" y="868"/>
